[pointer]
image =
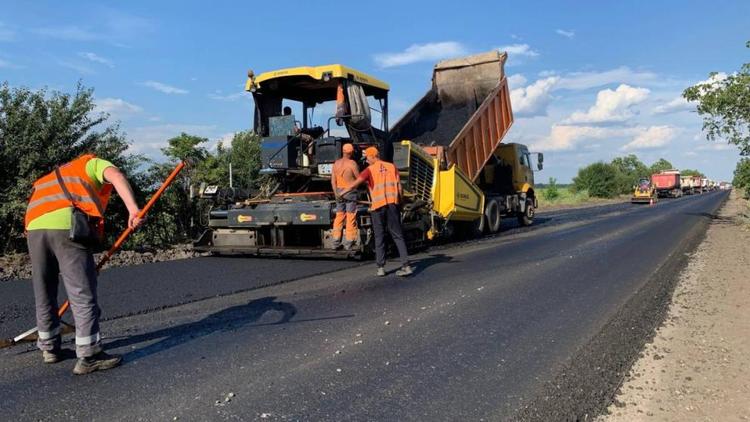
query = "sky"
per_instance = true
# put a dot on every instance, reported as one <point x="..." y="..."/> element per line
<point x="589" y="81"/>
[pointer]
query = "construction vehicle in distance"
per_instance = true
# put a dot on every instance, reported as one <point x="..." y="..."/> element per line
<point x="457" y="175"/>
<point x="667" y="183"/>
<point x="644" y="192"/>
<point x="691" y="185"/>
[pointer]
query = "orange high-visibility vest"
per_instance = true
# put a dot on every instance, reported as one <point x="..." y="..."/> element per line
<point x="384" y="190"/>
<point x="48" y="196"/>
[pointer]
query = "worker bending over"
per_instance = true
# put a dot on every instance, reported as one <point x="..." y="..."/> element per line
<point x="84" y="183"/>
<point x="345" y="172"/>
<point x="385" y="192"/>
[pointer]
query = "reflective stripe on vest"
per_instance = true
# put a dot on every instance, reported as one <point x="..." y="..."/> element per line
<point x="48" y="196"/>
<point x="385" y="184"/>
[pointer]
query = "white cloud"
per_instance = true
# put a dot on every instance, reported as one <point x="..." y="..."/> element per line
<point x="621" y="75"/>
<point x="77" y="67"/>
<point x="611" y="106"/>
<point x="565" y="137"/>
<point x="162" y="87"/>
<point x="717" y="146"/>
<point x="533" y="99"/>
<point x="6" y="33"/>
<point x="149" y="139"/>
<point x="516" y="80"/>
<point x="518" y="51"/>
<point x="567" y="34"/>
<point x="116" y="107"/>
<point x="67" y="33"/>
<point x="651" y="137"/>
<point x="229" y="97"/>
<point x="92" y="57"/>
<point x="421" y="52"/>
<point x="8" y="65"/>
<point x="676" y="105"/>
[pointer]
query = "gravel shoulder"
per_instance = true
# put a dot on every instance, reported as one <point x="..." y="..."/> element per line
<point x="696" y="367"/>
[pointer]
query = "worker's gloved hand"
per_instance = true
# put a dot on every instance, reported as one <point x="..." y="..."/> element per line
<point x="133" y="221"/>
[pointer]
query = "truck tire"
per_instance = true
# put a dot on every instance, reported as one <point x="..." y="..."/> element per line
<point x="492" y="216"/>
<point x="526" y="218"/>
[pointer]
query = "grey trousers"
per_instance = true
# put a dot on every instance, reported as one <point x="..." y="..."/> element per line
<point x="53" y="253"/>
<point x="388" y="218"/>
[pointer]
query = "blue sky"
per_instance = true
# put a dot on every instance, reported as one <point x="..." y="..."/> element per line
<point x="589" y="80"/>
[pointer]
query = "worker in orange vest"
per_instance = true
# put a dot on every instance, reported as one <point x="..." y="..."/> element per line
<point x="80" y="188"/>
<point x="344" y="173"/>
<point x="385" y="192"/>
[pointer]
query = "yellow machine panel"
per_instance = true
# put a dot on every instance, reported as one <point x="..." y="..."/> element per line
<point x="456" y="197"/>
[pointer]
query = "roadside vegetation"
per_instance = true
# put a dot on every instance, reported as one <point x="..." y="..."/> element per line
<point x="41" y="129"/>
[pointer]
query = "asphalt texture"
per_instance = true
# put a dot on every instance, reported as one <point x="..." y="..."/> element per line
<point x="537" y="323"/>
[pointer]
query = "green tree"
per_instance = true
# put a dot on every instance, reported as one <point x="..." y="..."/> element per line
<point x="245" y="159"/>
<point x="599" y="179"/>
<point x="742" y="176"/>
<point x="42" y="129"/>
<point x="661" y="165"/>
<point x="551" y="192"/>
<point x="691" y="172"/>
<point x="724" y="105"/>
<point x="629" y="170"/>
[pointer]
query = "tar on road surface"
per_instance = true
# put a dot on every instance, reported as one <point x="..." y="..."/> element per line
<point x="536" y="323"/>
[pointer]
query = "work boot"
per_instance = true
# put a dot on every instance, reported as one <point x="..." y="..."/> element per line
<point x="381" y="272"/>
<point x="52" y="356"/>
<point x="348" y="246"/>
<point x="99" y="362"/>
<point x="406" y="270"/>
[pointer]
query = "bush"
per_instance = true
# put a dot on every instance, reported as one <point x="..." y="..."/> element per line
<point x="38" y="131"/>
<point x="742" y="176"/>
<point x="599" y="179"/>
<point x="551" y="192"/>
<point x="41" y="129"/>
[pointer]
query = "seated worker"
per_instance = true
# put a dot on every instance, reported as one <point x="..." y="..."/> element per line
<point x="344" y="173"/>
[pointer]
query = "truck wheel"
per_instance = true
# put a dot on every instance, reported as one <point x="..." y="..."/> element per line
<point x="527" y="217"/>
<point x="492" y="216"/>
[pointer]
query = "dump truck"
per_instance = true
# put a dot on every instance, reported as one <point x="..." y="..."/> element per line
<point x="644" y="192"/>
<point x="667" y="183"/>
<point x="690" y="185"/>
<point x="458" y="176"/>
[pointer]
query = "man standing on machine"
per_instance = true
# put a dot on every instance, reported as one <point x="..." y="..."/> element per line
<point x="344" y="173"/>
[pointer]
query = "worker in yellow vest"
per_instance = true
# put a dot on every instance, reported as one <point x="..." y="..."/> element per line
<point x="385" y="192"/>
<point x="80" y="188"/>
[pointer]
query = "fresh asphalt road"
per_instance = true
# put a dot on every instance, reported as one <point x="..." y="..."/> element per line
<point x="478" y="333"/>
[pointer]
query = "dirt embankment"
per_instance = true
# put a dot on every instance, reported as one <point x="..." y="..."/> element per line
<point x="17" y="266"/>
<point x="698" y="366"/>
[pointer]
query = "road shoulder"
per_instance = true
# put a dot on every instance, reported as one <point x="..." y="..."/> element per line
<point x="696" y="366"/>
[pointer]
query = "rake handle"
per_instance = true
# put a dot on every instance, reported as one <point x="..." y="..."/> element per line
<point x="128" y="231"/>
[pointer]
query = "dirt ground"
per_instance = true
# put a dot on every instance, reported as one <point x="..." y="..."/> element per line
<point x="698" y="366"/>
<point x="19" y="266"/>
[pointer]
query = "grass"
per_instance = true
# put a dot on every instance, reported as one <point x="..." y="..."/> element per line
<point x="567" y="197"/>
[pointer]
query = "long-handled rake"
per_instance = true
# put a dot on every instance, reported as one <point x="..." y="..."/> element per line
<point x="31" y="334"/>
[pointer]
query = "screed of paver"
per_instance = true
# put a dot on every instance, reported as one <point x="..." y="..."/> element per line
<point x="698" y="366"/>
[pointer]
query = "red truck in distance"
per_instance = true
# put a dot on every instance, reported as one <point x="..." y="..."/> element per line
<point x="667" y="184"/>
